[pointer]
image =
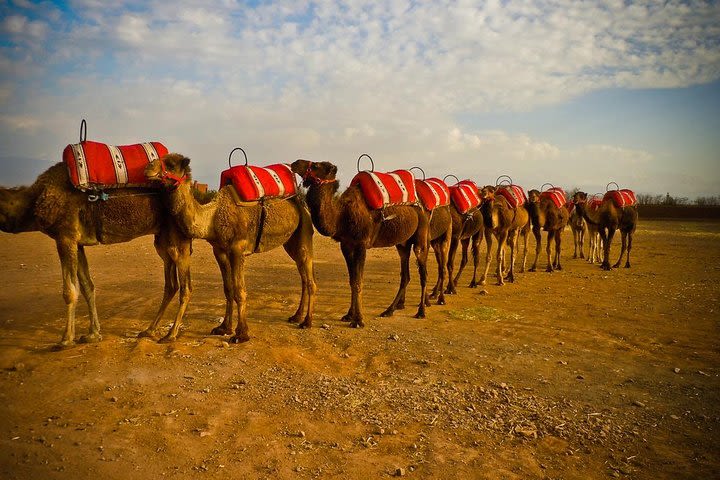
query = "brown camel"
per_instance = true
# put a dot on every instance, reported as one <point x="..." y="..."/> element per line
<point x="546" y="215"/>
<point x="440" y="237"/>
<point x="578" y="228"/>
<point x="53" y="206"/>
<point x="236" y="229"/>
<point x="467" y="232"/>
<point x="608" y="218"/>
<point x="348" y="220"/>
<point x="505" y="224"/>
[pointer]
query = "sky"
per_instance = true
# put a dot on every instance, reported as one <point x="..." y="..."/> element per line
<point x="572" y="93"/>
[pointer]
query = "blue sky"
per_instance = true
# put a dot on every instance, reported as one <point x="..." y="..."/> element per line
<point x="577" y="94"/>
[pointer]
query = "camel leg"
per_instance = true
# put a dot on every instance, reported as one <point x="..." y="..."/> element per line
<point x="454" y="242"/>
<point x="606" y="239"/>
<point x="237" y="262"/>
<point x="623" y="246"/>
<point x="181" y="260"/>
<point x="87" y="288"/>
<point x="399" y="302"/>
<point x="512" y="243"/>
<point x="575" y="241"/>
<point x="475" y="244"/>
<point x="68" y="252"/>
<point x="355" y="260"/>
<point x="223" y="261"/>
<point x="500" y="257"/>
<point x="300" y="249"/>
<point x="170" y="288"/>
<point x="629" y="247"/>
<point x="437" y="246"/>
<point x="548" y="248"/>
<point x="538" y="244"/>
<point x="558" y="248"/>
<point x="582" y="242"/>
<point x="463" y="259"/>
<point x="421" y="253"/>
<point x="488" y="253"/>
<point x="524" y="256"/>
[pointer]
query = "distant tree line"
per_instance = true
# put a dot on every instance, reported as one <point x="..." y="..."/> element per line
<point x="667" y="199"/>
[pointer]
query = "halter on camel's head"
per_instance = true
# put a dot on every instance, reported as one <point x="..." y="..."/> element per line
<point x="310" y="177"/>
<point x="580" y="198"/>
<point x="487" y="193"/>
<point x="168" y="177"/>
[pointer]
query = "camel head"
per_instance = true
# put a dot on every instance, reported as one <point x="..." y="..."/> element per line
<point x="487" y="193"/>
<point x="172" y="170"/>
<point x="16" y="210"/>
<point x="579" y="198"/>
<point x="533" y="196"/>
<point x="314" y="173"/>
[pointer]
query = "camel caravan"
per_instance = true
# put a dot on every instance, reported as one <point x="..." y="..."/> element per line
<point x="104" y="194"/>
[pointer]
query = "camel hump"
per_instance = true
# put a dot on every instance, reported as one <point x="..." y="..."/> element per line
<point x="514" y="194"/>
<point x="621" y="198"/>
<point x="254" y="183"/>
<point x="433" y="193"/>
<point x="381" y="190"/>
<point x="557" y="195"/>
<point x="94" y="165"/>
<point x="464" y="195"/>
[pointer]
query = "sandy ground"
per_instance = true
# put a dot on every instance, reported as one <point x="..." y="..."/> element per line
<point x="577" y="374"/>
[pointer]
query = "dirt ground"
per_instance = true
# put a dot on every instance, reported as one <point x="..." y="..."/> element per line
<point x="578" y="374"/>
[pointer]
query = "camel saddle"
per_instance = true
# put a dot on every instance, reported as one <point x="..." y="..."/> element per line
<point x="254" y="183"/>
<point x="384" y="189"/>
<point x="594" y="204"/>
<point x="94" y="165"/>
<point x="464" y="195"/>
<point x="433" y="193"/>
<point x="557" y="195"/>
<point x="514" y="194"/>
<point x="621" y="198"/>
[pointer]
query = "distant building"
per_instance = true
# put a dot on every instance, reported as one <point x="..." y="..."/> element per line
<point x="200" y="187"/>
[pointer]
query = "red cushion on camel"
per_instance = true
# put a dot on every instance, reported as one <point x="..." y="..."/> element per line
<point x="253" y="183"/>
<point x="383" y="189"/>
<point x="93" y="165"/>
<point x="514" y="194"/>
<point x="621" y="198"/>
<point x="557" y="195"/>
<point x="433" y="193"/>
<point x="464" y="195"/>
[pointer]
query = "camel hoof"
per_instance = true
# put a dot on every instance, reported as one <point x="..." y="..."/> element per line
<point x="441" y="301"/>
<point x="627" y="265"/>
<point x="419" y="315"/>
<point x="240" y="338"/>
<point x="532" y="269"/>
<point x="549" y="269"/>
<point x="305" y="324"/>
<point x="387" y="313"/>
<point x="294" y="319"/>
<point x="63" y="345"/>
<point x="346" y="318"/>
<point x="148" y="334"/>
<point x="167" y="339"/>
<point x="220" y="330"/>
<point x="91" y="338"/>
<point x="357" y="324"/>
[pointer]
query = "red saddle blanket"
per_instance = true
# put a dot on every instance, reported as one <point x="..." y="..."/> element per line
<point x="621" y="198"/>
<point x="557" y="195"/>
<point x="570" y="206"/>
<point x="253" y="183"/>
<point x="594" y="203"/>
<point x="514" y="194"/>
<point x="433" y="193"/>
<point x="383" y="189"/>
<point x="94" y="165"/>
<point x="464" y="195"/>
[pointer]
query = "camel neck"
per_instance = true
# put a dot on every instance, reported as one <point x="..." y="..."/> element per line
<point x="194" y="219"/>
<point x="324" y="207"/>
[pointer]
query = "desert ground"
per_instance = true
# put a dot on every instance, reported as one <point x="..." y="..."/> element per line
<point x="577" y="374"/>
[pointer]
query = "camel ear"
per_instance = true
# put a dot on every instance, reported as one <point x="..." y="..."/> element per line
<point x="300" y="166"/>
<point x="185" y="163"/>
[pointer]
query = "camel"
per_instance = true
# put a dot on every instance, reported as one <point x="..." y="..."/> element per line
<point x="607" y="219"/>
<point x="236" y="229"/>
<point x="545" y="215"/>
<point x="348" y="220"/>
<point x="467" y="231"/>
<point x="53" y="206"/>
<point x="578" y="228"/>
<point x="505" y="223"/>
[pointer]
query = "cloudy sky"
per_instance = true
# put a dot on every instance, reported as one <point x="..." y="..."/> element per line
<point x="572" y="93"/>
